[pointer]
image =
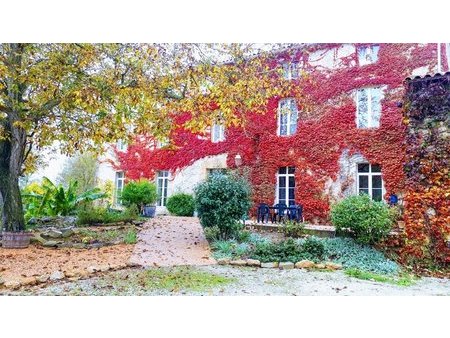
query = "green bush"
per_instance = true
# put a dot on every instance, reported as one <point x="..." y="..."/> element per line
<point x="100" y="215"/>
<point x="230" y="249"/>
<point x="285" y="251"/>
<point x="222" y="201"/>
<point x="313" y="248"/>
<point x="181" y="204"/>
<point x="358" y="216"/>
<point x="350" y="254"/>
<point x="293" y="229"/>
<point x="212" y="234"/>
<point x="139" y="193"/>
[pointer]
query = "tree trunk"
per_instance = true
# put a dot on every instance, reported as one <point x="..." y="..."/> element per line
<point x="11" y="158"/>
<point x="12" y="146"/>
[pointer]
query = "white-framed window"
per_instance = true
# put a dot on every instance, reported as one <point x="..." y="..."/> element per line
<point x="162" y="182"/>
<point x="290" y="70"/>
<point x="118" y="186"/>
<point x="287" y="117"/>
<point x="368" y="54"/>
<point x="368" y="107"/>
<point x="217" y="133"/>
<point x="285" y="193"/>
<point x="121" y="145"/>
<point x="369" y="181"/>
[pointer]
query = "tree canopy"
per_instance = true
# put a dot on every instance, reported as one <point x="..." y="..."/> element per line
<point x="83" y="95"/>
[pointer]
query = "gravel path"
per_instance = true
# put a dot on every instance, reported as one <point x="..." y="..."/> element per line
<point x="249" y="281"/>
<point x="169" y="241"/>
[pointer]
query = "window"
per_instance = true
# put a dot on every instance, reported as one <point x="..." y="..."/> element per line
<point x="119" y="183"/>
<point x="368" y="55"/>
<point x="290" y="70"/>
<point x="370" y="181"/>
<point x="121" y="145"/>
<point x="368" y="106"/>
<point x="162" y="182"/>
<point x="216" y="171"/>
<point x="286" y="186"/>
<point x="287" y="117"/>
<point x="217" y="133"/>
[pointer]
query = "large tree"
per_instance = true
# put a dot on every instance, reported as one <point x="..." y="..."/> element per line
<point x="81" y="168"/>
<point x="83" y="95"/>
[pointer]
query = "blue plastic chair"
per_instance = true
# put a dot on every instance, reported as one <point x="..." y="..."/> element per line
<point x="263" y="213"/>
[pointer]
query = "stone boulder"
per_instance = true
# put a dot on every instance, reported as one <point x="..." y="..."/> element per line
<point x="333" y="266"/>
<point x="305" y="264"/>
<point x="50" y="244"/>
<point x="52" y="233"/>
<point x="253" y="262"/>
<point x="269" y="265"/>
<point x="238" y="262"/>
<point x="56" y="275"/>
<point x="223" y="261"/>
<point x="286" y="265"/>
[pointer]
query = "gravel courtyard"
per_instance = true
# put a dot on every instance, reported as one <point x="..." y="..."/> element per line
<point x="247" y="281"/>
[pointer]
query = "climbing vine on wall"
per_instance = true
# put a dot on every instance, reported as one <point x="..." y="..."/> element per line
<point x="326" y="128"/>
<point x="427" y="197"/>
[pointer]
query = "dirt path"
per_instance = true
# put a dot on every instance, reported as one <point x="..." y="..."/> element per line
<point x="169" y="241"/>
<point x="17" y="264"/>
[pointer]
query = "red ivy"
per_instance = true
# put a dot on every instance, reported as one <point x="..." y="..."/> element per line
<point x="325" y="129"/>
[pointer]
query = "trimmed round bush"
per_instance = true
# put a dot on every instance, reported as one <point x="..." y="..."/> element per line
<point x="181" y="204"/>
<point x="359" y="217"/>
<point x="222" y="201"/>
<point x="139" y="193"/>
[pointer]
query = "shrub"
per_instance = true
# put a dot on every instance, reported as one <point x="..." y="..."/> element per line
<point x="293" y="229"/>
<point x="222" y="201"/>
<point x="358" y="216"/>
<point x="353" y="255"/>
<point x="139" y="193"/>
<point x="313" y="248"/>
<point x="212" y="234"/>
<point x="181" y="204"/>
<point x="287" y="250"/>
<point x="230" y="249"/>
<point x="130" y="237"/>
<point x="100" y="215"/>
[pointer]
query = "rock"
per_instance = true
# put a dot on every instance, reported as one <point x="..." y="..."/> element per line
<point x="269" y="265"/>
<point x="253" y="262"/>
<point x="67" y="232"/>
<point x="56" y="275"/>
<point x="52" y="233"/>
<point x="333" y="266"/>
<point x="69" y="273"/>
<point x="79" y="246"/>
<point x="37" y="239"/>
<point x="92" y="269"/>
<point x="12" y="284"/>
<point x="82" y="274"/>
<point x="223" y="261"/>
<point x="32" y="221"/>
<point x="50" y="244"/>
<point x="131" y="264"/>
<point x="286" y="265"/>
<point x="96" y="245"/>
<point x="238" y="262"/>
<point x="304" y="264"/>
<point x="104" y="268"/>
<point x="29" y="281"/>
<point x="42" y="278"/>
<point x="320" y="266"/>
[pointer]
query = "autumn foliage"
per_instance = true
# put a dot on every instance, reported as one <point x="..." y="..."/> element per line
<point x="325" y="129"/>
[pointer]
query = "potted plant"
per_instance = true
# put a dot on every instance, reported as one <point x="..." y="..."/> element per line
<point x="141" y="193"/>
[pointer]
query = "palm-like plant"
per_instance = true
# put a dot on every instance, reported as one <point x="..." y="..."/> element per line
<point x="55" y="200"/>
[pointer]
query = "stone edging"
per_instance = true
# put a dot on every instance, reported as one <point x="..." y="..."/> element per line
<point x="304" y="264"/>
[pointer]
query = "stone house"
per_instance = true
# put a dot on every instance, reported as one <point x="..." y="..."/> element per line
<point x="341" y="133"/>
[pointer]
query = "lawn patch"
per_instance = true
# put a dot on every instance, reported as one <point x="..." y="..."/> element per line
<point x="402" y="280"/>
